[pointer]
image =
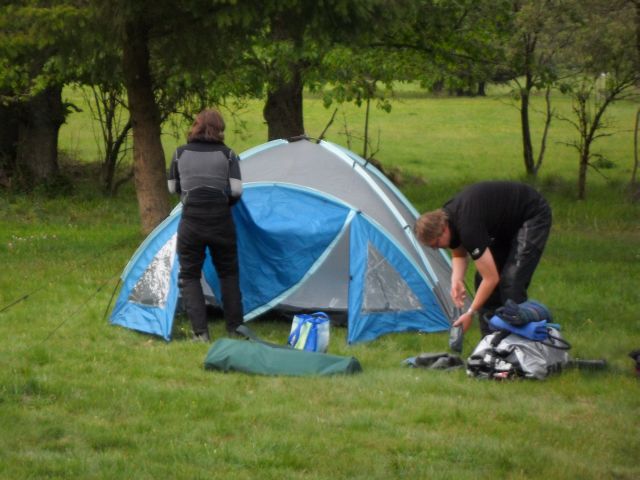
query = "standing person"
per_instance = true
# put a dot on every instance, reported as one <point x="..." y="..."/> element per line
<point x="206" y="174"/>
<point x="503" y="227"/>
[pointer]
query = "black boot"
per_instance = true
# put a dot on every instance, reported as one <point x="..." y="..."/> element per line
<point x="202" y="337"/>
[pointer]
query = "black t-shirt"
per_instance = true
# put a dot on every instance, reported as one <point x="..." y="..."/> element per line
<point x="490" y="213"/>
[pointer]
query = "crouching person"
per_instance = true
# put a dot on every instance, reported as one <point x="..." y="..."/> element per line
<point x="503" y="227"/>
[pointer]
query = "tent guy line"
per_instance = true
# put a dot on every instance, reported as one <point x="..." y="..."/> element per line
<point x="22" y="298"/>
<point x="79" y="309"/>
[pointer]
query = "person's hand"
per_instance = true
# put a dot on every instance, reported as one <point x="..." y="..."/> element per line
<point x="464" y="321"/>
<point x="458" y="293"/>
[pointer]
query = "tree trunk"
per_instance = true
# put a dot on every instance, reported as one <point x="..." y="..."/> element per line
<point x="8" y="143"/>
<point x="148" y="156"/>
<point x="637" y="22"/>
<point x="527" y="148"/>
<point x="37" y="149"/>
<point x="582" y="173"/>
<point x="366" y="130"/>
<point x="113" y="151"/>
<point x="633" y="185"/>
<point x="545" y="132"/>
<point x="283" y="108"/>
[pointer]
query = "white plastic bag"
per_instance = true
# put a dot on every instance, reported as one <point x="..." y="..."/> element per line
<point x="310" y="332"/>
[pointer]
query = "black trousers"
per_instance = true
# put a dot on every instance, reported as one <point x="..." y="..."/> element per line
<point x="203" y="227"/>
<point x="516" y="261"/>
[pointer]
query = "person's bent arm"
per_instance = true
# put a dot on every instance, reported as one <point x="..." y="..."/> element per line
<point x="173" y="176"/>
<point x="235" y="179"/>
<point x="487" y="269"/>
<point x="459" y="264"/>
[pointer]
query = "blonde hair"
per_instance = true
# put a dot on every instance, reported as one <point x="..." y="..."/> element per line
<point x="430" y="225"/>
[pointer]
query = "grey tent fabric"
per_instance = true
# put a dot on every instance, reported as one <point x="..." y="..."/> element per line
<point x="361" y="185"/>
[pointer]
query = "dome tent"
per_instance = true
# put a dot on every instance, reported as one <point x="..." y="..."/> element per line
<point x="319" y="228"/>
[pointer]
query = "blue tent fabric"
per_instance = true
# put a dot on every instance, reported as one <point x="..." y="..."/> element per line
<point x="154" y="315"/>
<point x="275" y="252"/>
<point x="365" y="326"/>
<point x="276" y="249"/>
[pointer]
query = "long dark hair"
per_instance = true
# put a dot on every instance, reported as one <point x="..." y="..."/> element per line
<point x="207" y="127"/>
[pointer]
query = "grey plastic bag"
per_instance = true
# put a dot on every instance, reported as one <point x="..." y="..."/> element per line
<point x="501" y="356"/>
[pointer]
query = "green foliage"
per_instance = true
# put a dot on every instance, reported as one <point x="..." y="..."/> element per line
<point x="357" y="76"/>
<point x="36" y="44"/>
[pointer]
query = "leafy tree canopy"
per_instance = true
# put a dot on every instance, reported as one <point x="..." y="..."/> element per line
<point x="36" y="45"/>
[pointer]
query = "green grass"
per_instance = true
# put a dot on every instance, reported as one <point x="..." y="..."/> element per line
<point x="80" y="398"/>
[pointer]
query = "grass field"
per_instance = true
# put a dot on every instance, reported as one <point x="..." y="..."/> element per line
<point x="80" y="398"/>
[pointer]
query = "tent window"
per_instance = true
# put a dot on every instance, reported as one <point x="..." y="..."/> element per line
<point x="385" y="290"/>
<point x="153" y="287"/>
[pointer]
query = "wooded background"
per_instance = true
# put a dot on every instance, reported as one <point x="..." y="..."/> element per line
<point x="147" y="62"/>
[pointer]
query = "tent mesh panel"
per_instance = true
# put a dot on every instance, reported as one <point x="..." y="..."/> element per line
<point x="153" y="287"/>
<point x="385" y="290"/>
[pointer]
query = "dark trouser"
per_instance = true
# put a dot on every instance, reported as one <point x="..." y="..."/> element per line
<point x="516" y="261"/>
<point x="209" y="226"/>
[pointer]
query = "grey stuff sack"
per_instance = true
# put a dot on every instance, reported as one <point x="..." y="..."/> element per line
<point x="500" y="356"/>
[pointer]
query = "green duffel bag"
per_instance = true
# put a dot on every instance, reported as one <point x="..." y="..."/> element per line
<point x="262" y="358"/>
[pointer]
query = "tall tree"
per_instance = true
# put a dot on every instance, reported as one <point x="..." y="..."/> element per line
<point x="283" y="105"/>
<point x="604" y="66"/>
<point x="40" y="119"/>
<point x="528" y="46"/>
<point x="634" y="185"/>
<point x="8" y="143"/>
<point x="109" y="109"/>
<point x="384" y="42"/>
<point x="35" y="40"/>
<point x="288" y="52"/>
<point x="364" y="77"/>
<point x="170" y="52"/>
<point x="148" y="154"/>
